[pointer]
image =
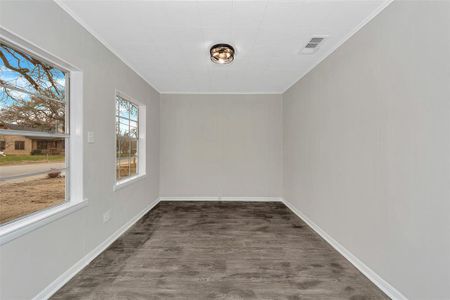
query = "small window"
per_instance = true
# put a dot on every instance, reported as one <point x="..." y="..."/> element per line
<point x="129" y="162"/>
<point x="2" y="145"/>
<point x="19" y="145"/>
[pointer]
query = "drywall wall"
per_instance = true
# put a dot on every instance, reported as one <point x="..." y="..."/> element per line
<point x="32" y="261"/>
<point x="367" y="146"/>
<point x="221" y="145"/>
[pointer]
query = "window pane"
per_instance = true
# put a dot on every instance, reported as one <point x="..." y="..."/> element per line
<point x="124" y="123"/>
<point x="134" y="113"/>
<point x="134" y="125"/>
<point x="118" y="177"/>
<point x="133" y="165"/>
<point x="33" y="180"/>
<point x="123" y="154"/>
<point x="133" y="132"/>
<point x="134" y="146"/>
<point x="123" y="164"/>
<point x="124" y="107"/>
<point x="22" y="111"/>
<point x="21" y="70"/>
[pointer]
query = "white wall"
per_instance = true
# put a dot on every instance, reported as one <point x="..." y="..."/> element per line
<point x="31" y="262"/>
<point x="221" y="145"/>
<point x="367" y="146"/>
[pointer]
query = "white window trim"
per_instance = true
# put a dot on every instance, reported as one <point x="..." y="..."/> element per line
<point x="76" y="200"/>
<point x="142" y="169"/>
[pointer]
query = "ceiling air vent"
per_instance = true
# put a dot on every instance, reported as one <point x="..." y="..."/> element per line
<point x="312" y="45"/>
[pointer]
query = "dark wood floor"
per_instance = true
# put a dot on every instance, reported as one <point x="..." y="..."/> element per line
<point x="220" y="250"/>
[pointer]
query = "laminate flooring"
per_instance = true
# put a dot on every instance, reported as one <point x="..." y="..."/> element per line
<point x="220" y="250"/>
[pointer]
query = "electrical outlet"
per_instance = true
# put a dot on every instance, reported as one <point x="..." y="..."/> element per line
<point x="106" y="216"/>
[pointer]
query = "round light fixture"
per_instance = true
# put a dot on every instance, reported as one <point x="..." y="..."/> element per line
<point x="222" y="54"/>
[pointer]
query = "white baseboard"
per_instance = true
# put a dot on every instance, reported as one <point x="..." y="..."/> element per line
<point x="53" y="287"/>
<point x="362" y="267"/>
<point x="188" y="198"/>
<point x="252" y="199"/>
<point x="220" y="198"/>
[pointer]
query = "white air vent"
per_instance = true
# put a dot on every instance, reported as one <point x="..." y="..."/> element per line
<point x="313" y="45"/>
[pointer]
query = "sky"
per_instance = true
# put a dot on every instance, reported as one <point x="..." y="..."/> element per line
<point x="17" y="59"/>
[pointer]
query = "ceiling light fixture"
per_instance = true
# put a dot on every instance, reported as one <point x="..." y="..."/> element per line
<point x="222" y="54"/>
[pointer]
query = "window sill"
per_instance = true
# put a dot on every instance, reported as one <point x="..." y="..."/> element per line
<point x="126" y="182"/>
<point x="9" y="232"/>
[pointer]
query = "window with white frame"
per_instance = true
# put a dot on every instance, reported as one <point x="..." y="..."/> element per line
<point x="129" y="139"/>
<point x="34" y="106"/>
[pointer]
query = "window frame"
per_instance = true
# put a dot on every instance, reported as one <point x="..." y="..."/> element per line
<point x="141" y="169"/>
<point x="74" y="150"/>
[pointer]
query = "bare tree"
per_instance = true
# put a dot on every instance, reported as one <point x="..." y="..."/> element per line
<point x="126" y="134"/>
<point x="31" y="97"/>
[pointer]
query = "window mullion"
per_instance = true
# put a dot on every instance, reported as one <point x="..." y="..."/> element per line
<point x="10" y="87"/>
<point x="32" y="133"/>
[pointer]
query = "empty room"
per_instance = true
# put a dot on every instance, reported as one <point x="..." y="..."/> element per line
<point x="292" y="149"/>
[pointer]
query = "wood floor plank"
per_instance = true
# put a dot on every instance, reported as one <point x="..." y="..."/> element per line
<point x="220" y="250"/>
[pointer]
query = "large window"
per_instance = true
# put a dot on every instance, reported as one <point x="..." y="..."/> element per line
<point x="128" y="160"/>
<point x="33" y="112"/>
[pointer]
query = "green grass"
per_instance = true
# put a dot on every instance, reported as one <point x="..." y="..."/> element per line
<point x="22" y="159"/>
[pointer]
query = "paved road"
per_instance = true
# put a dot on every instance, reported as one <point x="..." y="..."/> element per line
<point x="17" y="170"/>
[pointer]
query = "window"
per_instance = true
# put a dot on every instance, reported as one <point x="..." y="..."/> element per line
<point x="19" y="145"/>
<point x="2" y="145"/>
<point x="127" y="138"/>
<point x="34" y="107"/>
<point x="41" y="145"/>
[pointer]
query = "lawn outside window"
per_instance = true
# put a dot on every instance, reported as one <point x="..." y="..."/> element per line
<point x="39" y="180"/>
<point x="130" y="140"/>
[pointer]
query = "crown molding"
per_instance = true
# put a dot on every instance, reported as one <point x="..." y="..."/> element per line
<point x="80" y="21"/>
<point x="364" y="22"/>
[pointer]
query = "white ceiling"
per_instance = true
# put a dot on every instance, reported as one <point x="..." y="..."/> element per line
<point x="167" y="42"/>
